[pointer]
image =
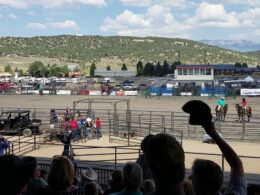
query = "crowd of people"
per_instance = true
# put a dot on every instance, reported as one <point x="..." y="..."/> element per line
<point x="77" y="127"/>
<point x="160" y="170"/>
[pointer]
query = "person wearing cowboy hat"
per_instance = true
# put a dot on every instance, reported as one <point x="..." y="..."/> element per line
<point x="89" y="176"/>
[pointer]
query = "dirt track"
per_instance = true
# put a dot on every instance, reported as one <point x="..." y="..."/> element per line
<point x="138" y="103"/>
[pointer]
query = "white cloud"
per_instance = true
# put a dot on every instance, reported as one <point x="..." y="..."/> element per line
<point x="12" y="16"/>
<point x="252" y="3"/>
<point x="213" y="15"/>
<point x="21" y="4"/>
<point x="67" y="24"/>
<point x="138" y="3"/>
<point x="250" y="17"/>
<point x="15" y="3"/>
<point x="172" y="3"/>
<point x="37" y="26"/>
<point x="156" y="21"/>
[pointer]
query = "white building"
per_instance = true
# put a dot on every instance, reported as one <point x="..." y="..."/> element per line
<point x="194" y="73"/>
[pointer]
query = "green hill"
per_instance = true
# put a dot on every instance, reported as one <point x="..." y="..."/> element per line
<point x="113" y="51"/>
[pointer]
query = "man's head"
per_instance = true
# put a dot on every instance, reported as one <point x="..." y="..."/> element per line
<point x="15" y="173"/>
<point x="165" y="157"/>
<point x="207" y="177"/>
<point x="145" y="142"/>
<point x="222" y="98"/>
<point x="132" y="176"/>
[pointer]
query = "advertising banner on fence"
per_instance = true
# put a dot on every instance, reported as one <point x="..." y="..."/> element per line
<point x="63" y="92"/>
<point x="131" y="93"/>
<point x="186" y="93"/>
<point x="95" y="93"/>
<point x="250" y="92"/>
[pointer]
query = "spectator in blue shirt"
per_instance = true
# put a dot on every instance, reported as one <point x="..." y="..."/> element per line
<point x="4" y="144"/>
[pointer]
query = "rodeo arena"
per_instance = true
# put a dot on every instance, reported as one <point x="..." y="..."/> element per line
<point x="98" y="125"/>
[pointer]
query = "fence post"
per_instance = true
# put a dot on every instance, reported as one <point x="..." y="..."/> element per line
<point x="172" y="121"/>
<point x="128" y="132"/>
<point x="34" y="140"/>
<point x="109" y="129"/>
<point x="150" y="128"/>
<point x="243" y="128"/>
<point x="188" y="128"/>
<point x="115" y="158"/>
<point x="163" y="123"/>
<point x="19" y="144"/>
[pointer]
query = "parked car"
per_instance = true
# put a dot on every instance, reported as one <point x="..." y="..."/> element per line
<point x="18" y="122"/>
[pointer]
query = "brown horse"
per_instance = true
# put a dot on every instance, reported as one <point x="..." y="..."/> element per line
<point x="221" y="113"/>
<point x="106" y="89"/>
<point x="244" y="112"/>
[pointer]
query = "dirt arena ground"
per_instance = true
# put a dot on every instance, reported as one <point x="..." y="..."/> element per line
<point x="138" y="103"/>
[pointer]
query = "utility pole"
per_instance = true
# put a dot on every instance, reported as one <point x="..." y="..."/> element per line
<point x="179" y="56"/>
<point x="205" y="57"/>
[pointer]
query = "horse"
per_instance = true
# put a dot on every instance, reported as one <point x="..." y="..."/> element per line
<point x="106" y="89"/>
<point x="221" y="113"/>
<point x="244" y="112"/>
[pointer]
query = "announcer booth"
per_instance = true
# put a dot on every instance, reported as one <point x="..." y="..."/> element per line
<point x="194" y="73"/>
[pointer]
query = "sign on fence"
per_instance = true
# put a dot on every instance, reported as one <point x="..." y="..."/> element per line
<point x="186" y="93"/>
<point x="131" y="93"/>
<point x="250" y="92"/>
<point x="63" y="92"/>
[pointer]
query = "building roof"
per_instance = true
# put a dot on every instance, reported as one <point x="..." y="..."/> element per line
<point x="193" y="66"/>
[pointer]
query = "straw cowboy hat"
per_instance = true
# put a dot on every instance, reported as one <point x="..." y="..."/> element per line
<point x="89" y="174"/>
<point x="88" y="119"/>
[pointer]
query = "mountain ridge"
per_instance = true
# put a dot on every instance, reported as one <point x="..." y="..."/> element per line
<point x="115" y="50"/>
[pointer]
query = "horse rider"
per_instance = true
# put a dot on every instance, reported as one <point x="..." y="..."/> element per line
<point x="220" y="102"/>
<point x="244" y="104"/>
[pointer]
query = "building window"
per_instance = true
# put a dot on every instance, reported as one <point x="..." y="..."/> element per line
<point x="185" y="72"/>
<point x="190" y="71"/>
<point x="208" y="71"/>
<point x="179" y="71"/>
<point x="196" y="71"/>
<point x="202" y="71"/>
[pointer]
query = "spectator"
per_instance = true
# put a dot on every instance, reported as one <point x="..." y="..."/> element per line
<point x="187" y="186"/>
<point x="202" y="170"/>
<point x="116" y="183"/>
<point x="147" y="173"/>
<point x="4" y="145"/>
<point x="91" y="189"/>
<point x="44" y="175"/>
<point x="98" y="128"/>
<point x="88" y="126"/>
<point x="148" y="186"/>
<point x="165" y="157"/>
<point x="15" y="173"/>
<point x="132" y="177"/>
<point x="60" y="177"/>
<point x="53" y="117"/>
<point x="35" y="183"/>
<point x="88" y="176"/>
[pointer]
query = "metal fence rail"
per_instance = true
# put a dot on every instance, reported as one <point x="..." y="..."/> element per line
<point x="231" y="128"/>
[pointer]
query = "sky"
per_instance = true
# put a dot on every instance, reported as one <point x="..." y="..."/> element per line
<point x="194" y="19"/>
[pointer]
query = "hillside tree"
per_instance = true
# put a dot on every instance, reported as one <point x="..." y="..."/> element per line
<point x="92" y="69"/>
<point x="165" y="68"/>
<point x="139" y="68"/>
<point x="8" y="69"/>
<point x="158" y="70"/>
<point x="35" y="69"/>
<point x="108" y="68"/>
<point x="123" y="67"/>
<point x="244" y="65"/>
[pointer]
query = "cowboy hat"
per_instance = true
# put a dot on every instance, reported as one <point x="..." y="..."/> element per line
<point x="88" y="119"/>
<point x="89" y="174"/>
